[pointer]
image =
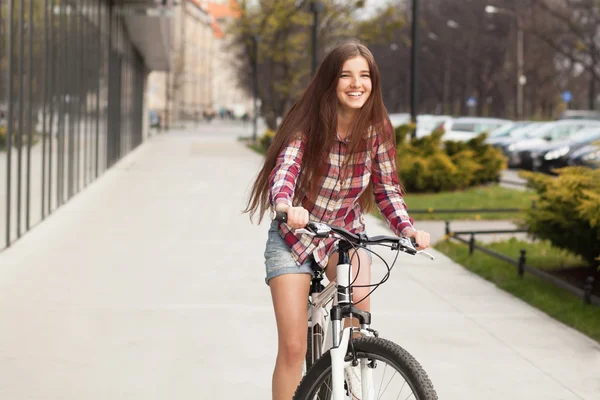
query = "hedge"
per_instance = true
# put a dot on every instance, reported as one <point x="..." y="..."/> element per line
<point x="430" y="165"/>
<point x="568" y="210"/>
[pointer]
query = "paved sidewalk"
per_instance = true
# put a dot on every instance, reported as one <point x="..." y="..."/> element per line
<point x="149" y="285"/>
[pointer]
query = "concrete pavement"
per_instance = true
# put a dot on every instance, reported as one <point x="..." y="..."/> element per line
<point x="149" y="284"/>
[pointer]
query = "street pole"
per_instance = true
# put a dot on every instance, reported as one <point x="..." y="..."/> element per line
<point x="413" y="67"/>
<point x="316" y="7"/>
<point x="520" y="76"/>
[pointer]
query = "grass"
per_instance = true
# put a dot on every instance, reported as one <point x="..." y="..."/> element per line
<point x="554" y="301"/>
<point x="490" y="196"/>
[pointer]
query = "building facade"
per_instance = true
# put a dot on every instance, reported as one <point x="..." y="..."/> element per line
<point x="73" y="76"/>
<point x="203" y="80"/>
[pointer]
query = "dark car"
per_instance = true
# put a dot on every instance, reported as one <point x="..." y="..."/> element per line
<point x="588" y="156"/>
<point x="556" y="155"/>
<point x="519" y="150"/>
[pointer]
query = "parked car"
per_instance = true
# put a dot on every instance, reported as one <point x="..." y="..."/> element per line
<point x="399" y="119"/>
<point x="501" y="142"/>
<point x="518" y="151"/>
<point x="588" y="156"/>
<point x="427" y="123"/>
<point x="506" y="129"/>
<point x="465" y="128"/>
<point x="556" y="155"/>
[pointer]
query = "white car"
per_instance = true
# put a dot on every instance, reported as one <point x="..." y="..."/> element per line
<point x="427" y="123"/>
<point x="466" y="128"/>
<point x="399" y="119"/>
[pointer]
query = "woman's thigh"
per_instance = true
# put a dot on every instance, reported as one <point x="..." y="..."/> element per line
<point x="290" y="296"/>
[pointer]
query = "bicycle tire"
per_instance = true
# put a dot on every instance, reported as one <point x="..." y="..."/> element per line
<point x="308" y="361"/>
<point x="308" y="357"/>
<point x="380" y="349"/>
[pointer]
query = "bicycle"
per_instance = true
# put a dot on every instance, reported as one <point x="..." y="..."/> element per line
<point x="334" y="356"/>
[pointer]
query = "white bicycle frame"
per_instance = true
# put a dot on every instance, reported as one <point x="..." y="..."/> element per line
<point x="335" y="338"/>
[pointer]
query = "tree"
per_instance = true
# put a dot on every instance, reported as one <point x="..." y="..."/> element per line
<point x="283" y="29"/>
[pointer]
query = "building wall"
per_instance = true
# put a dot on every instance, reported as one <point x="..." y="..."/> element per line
<point x="71" y="90"/>
<point x="185" y="93"/>
<point x="203" y="77"/>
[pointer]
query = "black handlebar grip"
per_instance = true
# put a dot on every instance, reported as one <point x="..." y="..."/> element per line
<point x="414" y="242"/>
<point x="280" y="216"/>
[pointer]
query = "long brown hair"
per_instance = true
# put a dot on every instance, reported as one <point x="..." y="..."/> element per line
<point x="314" y="116"/>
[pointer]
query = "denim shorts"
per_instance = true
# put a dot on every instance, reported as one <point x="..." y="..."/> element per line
<point x="279" y="259"/>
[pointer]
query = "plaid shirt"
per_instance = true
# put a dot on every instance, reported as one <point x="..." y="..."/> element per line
<point x="337" y="200"/>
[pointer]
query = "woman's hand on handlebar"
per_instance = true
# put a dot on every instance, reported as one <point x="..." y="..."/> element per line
<point x="420" y="237"/>
<point x="297" y="217"/>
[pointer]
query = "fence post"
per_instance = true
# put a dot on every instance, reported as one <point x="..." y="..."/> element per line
<point x="522" y="263"/>
<point x="447" y="228"/>
<point x="587" y="289"/>
<point x="472" y="244"/>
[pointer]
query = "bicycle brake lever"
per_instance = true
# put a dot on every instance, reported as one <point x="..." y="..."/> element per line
<point x="305" y="231"/>
<point x="426" y="254"/>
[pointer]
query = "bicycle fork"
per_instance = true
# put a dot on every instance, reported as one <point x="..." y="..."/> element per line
<point x="343" y="307"/>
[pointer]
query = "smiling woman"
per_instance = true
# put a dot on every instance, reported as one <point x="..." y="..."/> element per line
<point x="332" y="159"/>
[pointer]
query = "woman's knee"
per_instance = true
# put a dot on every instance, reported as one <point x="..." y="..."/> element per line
<point x="292" y="350"/>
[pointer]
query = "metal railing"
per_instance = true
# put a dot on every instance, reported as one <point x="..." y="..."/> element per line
<point x="585" y="293"/>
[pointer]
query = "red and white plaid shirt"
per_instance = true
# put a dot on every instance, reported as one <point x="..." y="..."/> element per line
<point x="337" y="200"/>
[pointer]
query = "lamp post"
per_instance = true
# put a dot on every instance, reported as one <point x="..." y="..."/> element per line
<point x="521" y="79"/>
<point x="316" y="7"/>
<point x="413" y="66"/>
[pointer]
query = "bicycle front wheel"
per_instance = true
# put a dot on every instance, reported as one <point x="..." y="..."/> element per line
<point x="395" y="374"/>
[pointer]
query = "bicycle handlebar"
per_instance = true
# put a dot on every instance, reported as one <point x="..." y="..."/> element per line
<point x="323" y="230"/>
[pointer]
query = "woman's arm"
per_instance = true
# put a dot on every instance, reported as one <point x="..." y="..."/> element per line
<point x="386" y="187"/>
<point x="283" y="181"/>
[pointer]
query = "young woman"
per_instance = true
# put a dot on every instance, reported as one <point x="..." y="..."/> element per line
<point x="332" y="159"/>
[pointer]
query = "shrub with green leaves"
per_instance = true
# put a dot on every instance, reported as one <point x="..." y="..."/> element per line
<point x="266" y="139"/>
<point x="568" y="210"/>
<point x="2" y="137"/>
<point x="429" y="165"/>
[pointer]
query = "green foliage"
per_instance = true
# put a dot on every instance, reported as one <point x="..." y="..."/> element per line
<point x="381" y="28"/>
<point x="266" y="139"/>
<point x="284" y="55"/>
<point x="568" y="210"/>
<point x="427" y="165"/>
<point x="3" y="138"/>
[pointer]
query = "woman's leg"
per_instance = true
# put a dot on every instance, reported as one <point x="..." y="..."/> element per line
<point x="364" y="277"/>
<point x="290" y="296"/>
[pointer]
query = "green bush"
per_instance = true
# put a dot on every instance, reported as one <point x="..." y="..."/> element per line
<point x="3" y="141"/>
<point x="430" y="165"/>
<point x="266" y="139"/>
<point x="2" y="137"/>
<point x="568" y="210"/>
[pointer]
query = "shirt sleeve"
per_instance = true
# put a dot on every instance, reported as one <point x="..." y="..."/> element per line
<point x="386" y="187"/>
<point x="286" y="172"/>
